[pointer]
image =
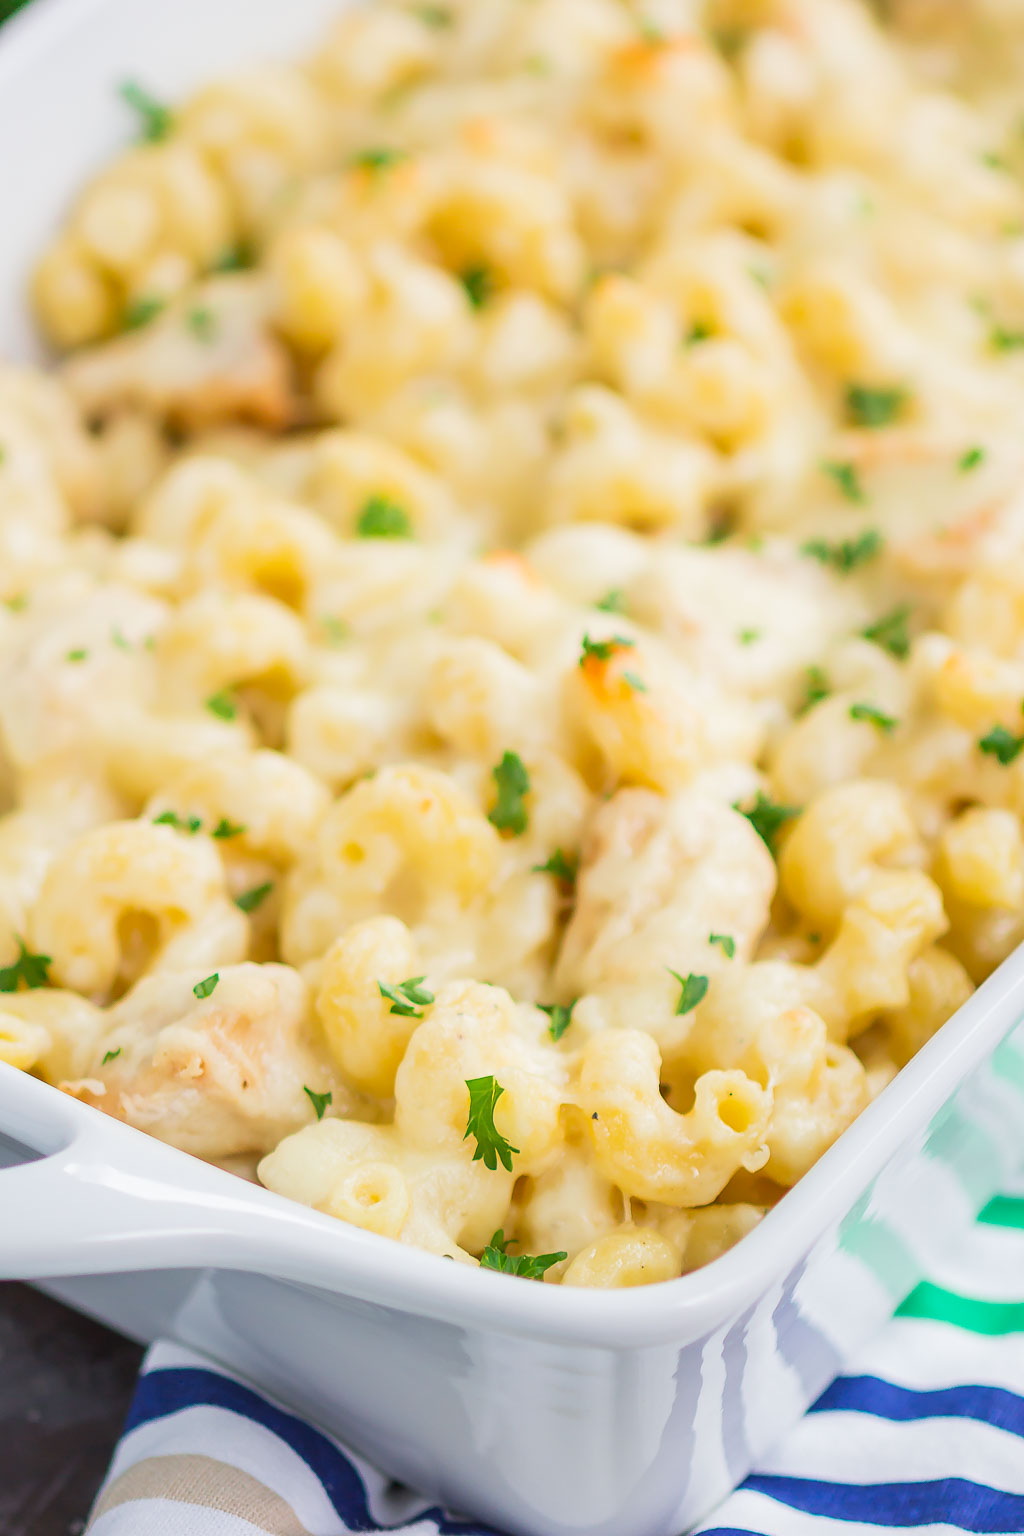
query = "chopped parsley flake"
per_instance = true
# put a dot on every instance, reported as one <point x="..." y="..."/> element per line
<point x="250" y="900"/>
<point x="78" y="655"/>
<point x="725" y="942"/>
<point x="970" y="460"/>
<point x="1004" y="340"/>
<point x="208" y="987"/>
<point x="528" y="1266"/>
<point x="382" y="518"/>
<point x="18" y="603"/>
<point x="30" y="971"/>
<point x="509" y="812"/>
<point x="817" y="687"/>
<point x="602" y="650"/>
<point x="156" y="121"/>
<point x="122" y="643"/>
<point x="190" y="824"/>
<point x="560" y="1015"/>
<point x="225" y="829"/>
<point x="319" y="1101"/>
<point x="694" y="991"/>
<point x="484" y="1093"/>
<point x="222" y="705"/>
<point x="434" y="16"/>
<point x="235" y="258"/>
<point x="846" y="478"/>
<point x="613" y="601"/>
<point x="636" y="683"/>
<point x="478" y="281"/>
<point x="872" y="715"/>
<point x="891" y="633"/>
<point x="140" y="312"/>
<point x="874" y="408"/>
<point x="111" y="1056"/>
<point x="561" y="866"/>
<point x="336" y="630"/>
<point x="202" y="322"/>
<point x="379" y="158"/>
<point x="408" y="998"/>
<point x="767" y="818"/>
<point x="748" y="636"/>
<point x="848" y="554"/>
<point x="1001" y="744"/>
<point x="699" y="331"/>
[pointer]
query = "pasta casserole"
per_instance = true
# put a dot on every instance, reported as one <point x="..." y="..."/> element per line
<point x="512" y="646"/>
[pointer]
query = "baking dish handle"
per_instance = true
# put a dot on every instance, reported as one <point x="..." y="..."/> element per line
<point x="105" y="1199"/>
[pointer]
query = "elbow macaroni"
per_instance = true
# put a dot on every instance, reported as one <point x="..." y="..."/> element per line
<point x="513" y="606"/>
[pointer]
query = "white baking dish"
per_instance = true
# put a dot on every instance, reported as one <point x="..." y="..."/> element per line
<point x="547" y="1411"/>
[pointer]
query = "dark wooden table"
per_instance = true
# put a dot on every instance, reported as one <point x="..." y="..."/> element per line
<point x="65" y="1386"/>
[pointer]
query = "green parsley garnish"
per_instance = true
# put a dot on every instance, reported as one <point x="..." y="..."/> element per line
<point x="382" y="518"/>
<point x="633" y="681"/>
<point x="748" y="636"/>
<point x="202" y="322"/>
<point x="225" y="829"/>
<point x="970" y="460"/>
<point x="319" y="1101"/>
<point x="478" y="281"/>
<point x="336" y="630"/>
<point x="18" y="603"/>
<point x="699" y="331"/>
<point x="208" y="987"/>
<point x="874" y="716"/>
<point x="222" y="705"/>
<point x="730" y="41"/>
<point x="846" y="478"/>
<point x="817" y="688"/>
<point x="890" y="632"/>
<point x="140" y="312"/>
<point x="78" y="655"/>
<point x="767" y="818"/>
<point x="1002" y="744"/>
<point x="560" y="1015"/>
<point x="509" y="812"/>
<point x="873" y="408"/>
<point x="408" y="998"/>
<point x="1004" y="340"/>
<point x="380" y="158"/>
<point x="122" y="643"/>
<point x="250" y="900"/>
<point x="527" y="1266"/>
<point x="725" y="942"/>
<point x="111" y="1056"/>
<point x="613" y="601"/>
<point x="434" y="16"/>
<point x="561" y="866"/>
<point x="155" y="120"/>
<point x="694" y="990"/>
<point x="30" y="971"/>
<point x="484" y="1093"/>
<point x="602" y="650"/>
<point x="848" y="554"/>
<point x="180" y="824"/>
<point x="235" y="258"/>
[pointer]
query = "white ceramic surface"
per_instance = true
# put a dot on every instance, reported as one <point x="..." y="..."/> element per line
<point x="551" y="1412"/>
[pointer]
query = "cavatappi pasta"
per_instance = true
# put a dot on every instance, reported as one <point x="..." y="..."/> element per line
<point x="512" y="656"/>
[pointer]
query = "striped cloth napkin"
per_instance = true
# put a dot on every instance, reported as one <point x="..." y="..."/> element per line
<point x="926" y="1434"/>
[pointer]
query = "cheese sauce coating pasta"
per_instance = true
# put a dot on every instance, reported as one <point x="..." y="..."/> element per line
<point x="512" y="646"/>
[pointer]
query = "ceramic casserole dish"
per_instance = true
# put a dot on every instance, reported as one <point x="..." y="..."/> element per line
<point x="545" y="1410"/>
